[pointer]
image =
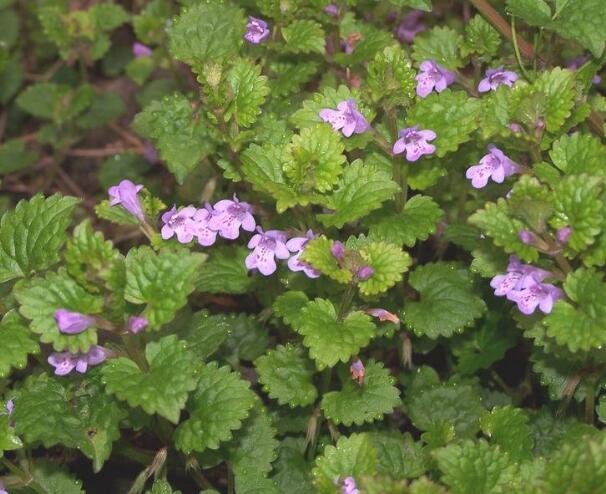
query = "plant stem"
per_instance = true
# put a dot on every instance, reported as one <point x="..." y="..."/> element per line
<point x="516" y="48"/>
<point x="346" y="301"/>
<point x="230" y="480"/>
<point x="590" y="399"/>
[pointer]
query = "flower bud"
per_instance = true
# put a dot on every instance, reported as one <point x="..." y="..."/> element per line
<point x="563" y="234"/>
<point x="72" y="322"/>
<point x="364" y="273"/>
<point x="337" y="250"/>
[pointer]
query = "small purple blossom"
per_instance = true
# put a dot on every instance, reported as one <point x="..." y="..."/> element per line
<point x="414" y="142"/>
<point x="332" y="9"/>
<point x="256" y="30"/>
<point x="10" y="406"/>
<point x="178" y="223"/>
<point x="364" y="273"/>
<point x="70" y="322"/>
<point x="229" y="216"/>
<point x="141" y="51"/>
<point x="266" y="247"/>
<point x="410" y="26"/>
<point x="518" y="277"/>
<point x="125" y="193"/>
<point x="349" y="486"/>
<point x="384" y="315"/>
<point x="2" y="489"/>
<point x="516" y="127"/>
<point x="433" y="76"/>
<point x="563" y="234"/>
<point x="297" y="245"/>
<point x="200" y="226"/>
<point x="541" y="295"/>
<point x="495" y="78"/>
<point x="494" y="165"/>
<point x="136" y="324"/>
<point x="526" y="236"/>
<point x="358" y="371"/>
<point x="337" y="249"/>
<point x="65" y="362"/>
<point x="150" y="153"/>
<point x="346" y="118"/>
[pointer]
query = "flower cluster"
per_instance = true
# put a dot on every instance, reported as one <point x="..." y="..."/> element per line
<point x="494" y="165"/>
<point x="523" y="284"/>
<point x="65" y="362"/>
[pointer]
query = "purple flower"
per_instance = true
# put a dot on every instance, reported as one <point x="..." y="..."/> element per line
<point x="337" y="249"/>
<point x="297" y="244"/>
<point x="229" y="216"/>
<point x="346" y="118"/>
<point x="332" y="9"/>
<point x="266" y="247"/>
<point x="358" y="371"/>
<point x="414" y="142"/>
<point x="178" y="223"/>
<point x="200" y="226"/>
<point x="516" y="127"/>
<point x="384" y="315"/>
<point x="518" y="277"/>
<point x="257" y="30"/>
<point x="410" y="27"/>
<point x="136" y="324"/>
<point x="10" y="406"/>
<point x="496" y="77"/>
<point x="526" y="236"/>
<point x="494" y="165"/>
<point x="2" y="489"/>
<point x="141" y="51"/>
<point x="364" y="273"/>
<point x="541" y="295"/>
<point x="563" y="234"/>
<point x="125" y="193"/>
<point x="72" y="322"/>
<point x="65" y="362"/>
<point x="433" y="76"/>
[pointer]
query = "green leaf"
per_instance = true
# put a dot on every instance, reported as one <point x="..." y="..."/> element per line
<point x="481" y="38"/>
<point x="220" y="403"/>
<point x="417" y="221"/>
<point x="578" y="205"/>
<point x="454" y="404"/>
<point x="254" y="446"/>
<point x="207" y="32"/>
<point x="577" y="467"/>
<point x="89" y="420"/>
<point x="480" y="349"/>
<point x="424" y="5"/>
<point x="32" y="235"/>
<point x="314" y="159"/>
<point x="452" y="115"/>
<point x="391" y="77"/>
<point x="475" y="467"/>
<point x="14" y="156"/>
<point x="150" y="22"/>
<point x="249" y="91"/>
<point x="163" y="281"/>
<point x="117" y="215"/>
<point x="247" y="338"/>
<point x="171" y="372"/>
<point x="203" y="332"/>
<point x="181" y="139"/>
<point x="9" y="441"/>
<point x="582" y="21"/>
<point x="534" y="12"/>
<point x="303" y="36"/>
<point x="288" y="77"/>
<point x="288" y="306"/>
<point x="580" y="325"/>
<point x="104" y="109"/>
<point x="358" y="403"/>
<point x="317" y="253"/>
<point x="291" y="471"/>
<point x="398" y="455"/>
<point x="389" y="263"/>
<point x="41" y="297"/>
<point x="579" y="153"/>
<point x="440" y="44"/>
<point x="17" y="342"/>
<point x="330" y="340"/>
<point x="57" y="102"/>
<point x="108" y="16"/>
<point x="496" y="220"/>
<point x="352" y="456"/>
<point x="225" y="272"/>
<point x="286" y="375"/>
<point x="361" y="189"/>
<point x="55" y="479"/>
<point x="508" y="427"/>
<point x="163" y="487"/>
<point x="90" y="258"/>
<point x="447" y="302"/>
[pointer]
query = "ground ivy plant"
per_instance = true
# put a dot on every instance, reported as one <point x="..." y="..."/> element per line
<point x="296" y="247"/>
